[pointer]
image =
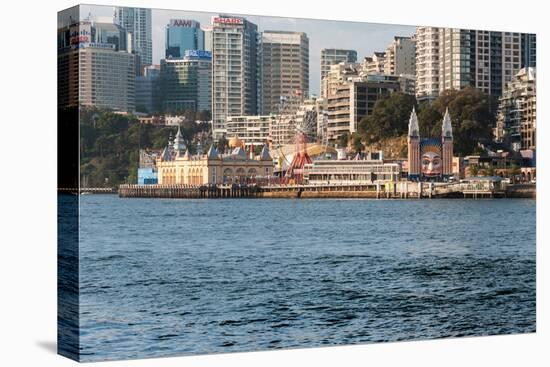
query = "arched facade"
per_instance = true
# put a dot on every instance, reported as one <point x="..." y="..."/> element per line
<point x="212" y="168"/>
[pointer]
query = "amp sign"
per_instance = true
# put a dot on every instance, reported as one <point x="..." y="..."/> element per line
<point x="186" y="23"/>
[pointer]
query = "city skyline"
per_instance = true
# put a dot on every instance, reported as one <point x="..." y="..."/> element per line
<point x="376" y="36"/>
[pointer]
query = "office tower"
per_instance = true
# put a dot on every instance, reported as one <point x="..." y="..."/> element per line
<point x="138" y="23"/>
<point x="147" y="89"/>
<point x="95" y="57"/>
<point x="234" y="70"/>
<point x="284" y="67"/>
<point x="186" y="82"/>
<point x="181" y="35"/>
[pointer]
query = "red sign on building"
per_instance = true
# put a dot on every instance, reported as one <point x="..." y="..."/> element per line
<point x="221" y="20"/>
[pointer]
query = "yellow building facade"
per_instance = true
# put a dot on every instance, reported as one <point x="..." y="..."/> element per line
<point x="176" y="166"/>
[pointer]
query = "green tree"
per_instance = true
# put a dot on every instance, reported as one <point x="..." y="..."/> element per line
<point x="490" y="171"/>
<point x="388" y="119"/>
<point x="343" y="140"/>
<point x="474" y="169"/>
<point x="356" y="143"/>
<point x="222" y="144"/>
<point x="514" y="171"/>
<point x="472" y="114"/>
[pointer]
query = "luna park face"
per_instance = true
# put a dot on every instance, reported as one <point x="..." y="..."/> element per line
<point x="431" y="164"/>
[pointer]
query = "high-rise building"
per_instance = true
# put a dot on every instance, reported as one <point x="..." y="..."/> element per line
<point x="284" y="67"/>
<point x="148" y="89"/>
<point x="94" y="67"/>
<point x="138" y="23"/>
<point x="181" y="35"/>
<point x="208" y="39"/>
<point x="427" y="63"/>
<point x="401" y="56"/>
<point x="234" y="70"/>
<point x="185" y="83"/>
<point x="517" y="114"/>
<point x="448" y="58"/>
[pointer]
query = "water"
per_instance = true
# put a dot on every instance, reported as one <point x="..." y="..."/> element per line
<point x="177" y="277"/>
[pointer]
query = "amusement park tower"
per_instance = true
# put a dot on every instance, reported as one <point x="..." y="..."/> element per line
<point x="430" y="159"/>
<point x="414" y="147"/>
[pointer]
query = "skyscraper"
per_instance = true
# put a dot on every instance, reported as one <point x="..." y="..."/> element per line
<point x="181" y="35"/>
<point x="284" y="67"/>
<point x="234" y="70"/>
<point x="138" y="23"/>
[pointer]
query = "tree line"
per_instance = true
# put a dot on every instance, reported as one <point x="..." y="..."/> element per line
<point x="473" y="116"/>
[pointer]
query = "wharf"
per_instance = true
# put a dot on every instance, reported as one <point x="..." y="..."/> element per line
<point x="376" y="190"/>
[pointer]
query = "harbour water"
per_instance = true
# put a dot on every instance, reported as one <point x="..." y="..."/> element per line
<point x="165" y="277"/>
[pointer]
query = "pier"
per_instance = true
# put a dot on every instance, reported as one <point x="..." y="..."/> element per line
<point x="375" y="190"/>
<point x="189" y="191"/>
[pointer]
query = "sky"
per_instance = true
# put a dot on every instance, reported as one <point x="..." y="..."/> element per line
<point x="365" y="38"/>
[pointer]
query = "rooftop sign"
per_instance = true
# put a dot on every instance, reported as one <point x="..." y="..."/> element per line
<point x="186" y="23"/>
<point x="222" y="20"/>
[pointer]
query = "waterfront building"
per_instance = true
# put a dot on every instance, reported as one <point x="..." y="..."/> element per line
<point x="181" y="35"/>
<point x="147" y="89"/>
<point x="177" y="165"/>
<point x="351" y="171"/>
<point x="517" y="113"/>
<point x="95" y="67"/>
<point x="234" y="70"/>
<point x="401" y="56"/>
<point x="147" y="176"/>
<point x="284" y="67"/>
<point x="354" y="100"/>
<point x="430" y="159"/>
<point x="253" y="130"/>
<point x="138" y="23"/>
<point x="186" y="83"/>
<point x="427" y="63"/>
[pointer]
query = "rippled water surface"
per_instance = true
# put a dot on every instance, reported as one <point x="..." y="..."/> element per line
<point x="172" y="277"/>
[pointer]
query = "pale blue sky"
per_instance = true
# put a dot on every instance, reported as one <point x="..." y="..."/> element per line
<point x="365" y="38"/>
